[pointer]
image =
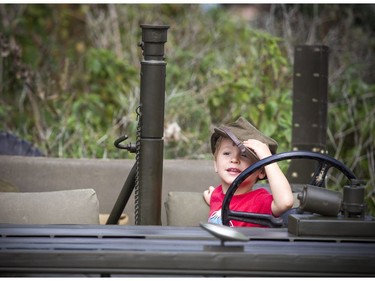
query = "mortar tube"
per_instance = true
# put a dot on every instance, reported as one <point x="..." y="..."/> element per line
<point x="152" y="99"/>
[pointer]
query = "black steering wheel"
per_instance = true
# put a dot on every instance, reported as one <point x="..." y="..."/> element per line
<point x="325" y="162"/>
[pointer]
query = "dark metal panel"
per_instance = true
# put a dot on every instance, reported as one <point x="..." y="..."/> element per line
<point x="310" y="86"/>
<point x="177" y="251"/>
<point x="258" y="259"/>
<point x="315" y="225"/>
<point x="310" y="90"/>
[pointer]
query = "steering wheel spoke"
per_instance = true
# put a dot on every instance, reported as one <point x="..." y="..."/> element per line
<point x="320" y="174"/>
<point x="261" y="219"/>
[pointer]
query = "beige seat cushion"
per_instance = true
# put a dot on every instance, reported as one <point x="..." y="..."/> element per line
<point x="78" y="206"/>
<point x="6" y="186"/>
<point x="123" y="220"/>
<point x="186" y="208"/>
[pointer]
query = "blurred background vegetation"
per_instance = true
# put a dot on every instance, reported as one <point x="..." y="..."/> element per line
<point x="69" y="75"/>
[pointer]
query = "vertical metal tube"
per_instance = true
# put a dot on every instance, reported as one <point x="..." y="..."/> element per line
<point x="152" y="98"/>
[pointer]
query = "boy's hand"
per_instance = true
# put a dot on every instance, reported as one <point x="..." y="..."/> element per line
<point x="261" y="149"/>
<point x="207" y="194"/>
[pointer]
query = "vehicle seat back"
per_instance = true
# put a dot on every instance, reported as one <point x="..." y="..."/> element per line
<point x="77" y="206"/>
<point x="186" y="208"/>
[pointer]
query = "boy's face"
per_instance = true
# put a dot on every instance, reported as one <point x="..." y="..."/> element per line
<point x="229" y="163"/>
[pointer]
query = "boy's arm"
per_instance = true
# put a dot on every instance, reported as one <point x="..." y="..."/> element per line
<point x="281" y="190"/>
<point x="280" y="187"/>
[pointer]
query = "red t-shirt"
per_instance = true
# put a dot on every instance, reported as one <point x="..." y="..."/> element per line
<point x="256" y="201"/>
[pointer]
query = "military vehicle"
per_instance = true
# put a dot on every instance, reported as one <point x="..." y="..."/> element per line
<point x="327" y="233"/>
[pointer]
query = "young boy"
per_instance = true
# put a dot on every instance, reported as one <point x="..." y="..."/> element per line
<point x="236" y="146"/>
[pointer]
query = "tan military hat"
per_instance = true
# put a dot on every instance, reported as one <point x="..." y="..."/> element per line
<point x="240" y="131"/>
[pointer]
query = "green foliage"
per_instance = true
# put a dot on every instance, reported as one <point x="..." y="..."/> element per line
<point x="351" y="130"/>
<point x="218" y="68"/>
<point x="235" y="77"/>
<point x="71" y="115"/>
<point x="90" y="118"/>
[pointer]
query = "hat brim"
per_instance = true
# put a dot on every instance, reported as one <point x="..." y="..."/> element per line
<point x="247" y="152"/>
